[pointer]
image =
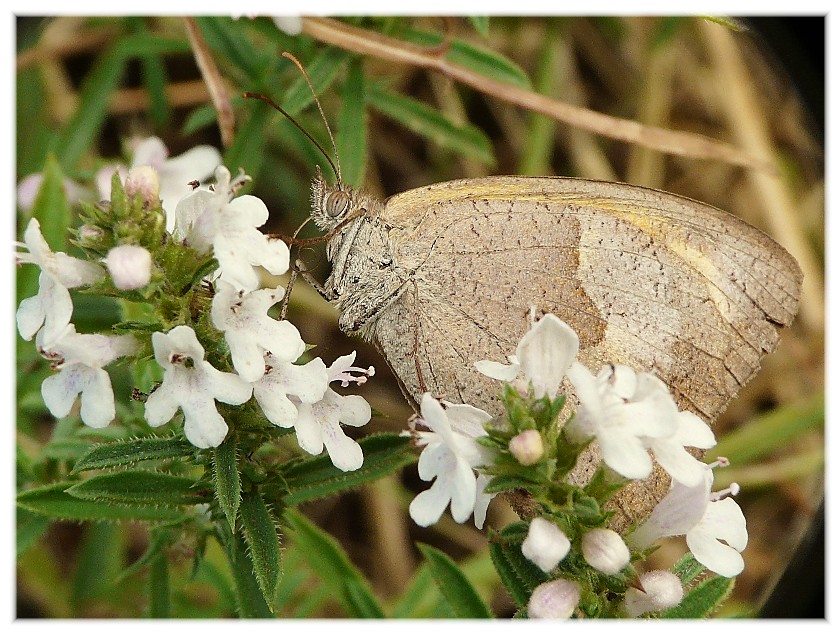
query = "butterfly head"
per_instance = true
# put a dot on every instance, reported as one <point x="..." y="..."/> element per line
<point x="331" y="204"/>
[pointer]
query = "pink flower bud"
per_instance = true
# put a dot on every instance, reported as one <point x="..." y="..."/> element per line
<point x="143" y="180"/>
<point x="130" y="266"/>
<point x="605" y="551"/>
<point x="662" y="590"/>
<point x="554" y="600"/>
<point x="546" y="545"/>
<point x="527" y="447"/>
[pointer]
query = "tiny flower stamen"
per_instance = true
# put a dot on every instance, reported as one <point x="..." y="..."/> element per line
<point x="731" y="491"/>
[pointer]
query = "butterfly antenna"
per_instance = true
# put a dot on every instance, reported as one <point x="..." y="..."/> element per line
<point x="294" y="59"/>
<point x="273" y="104"/>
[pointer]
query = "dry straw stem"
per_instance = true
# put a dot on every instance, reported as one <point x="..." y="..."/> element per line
<point x="751" y="128"/>
<point x="374" y="44"/>
<point x="213" y="79"/>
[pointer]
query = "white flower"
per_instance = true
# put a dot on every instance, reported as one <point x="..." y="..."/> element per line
<point x="546" y="545"/>
<point x="318" y="424"/>
<point x="482" y="500"/>
<point x="52" y="306"/>
<point x="543" y="355"/>
<point x="191" y="383"/>
<point x="662" y="590"/>
<point x="449" y="455"/>
<point x="555" y="599"/>
<point x="130" y="266"/>
<point x="30" y="186"/>
<point x="705" y="520"/>
<point x="213" y="219"/>
<point x="670" y="451"/>
<point x="175" y="174"/>
<point x="604" y="550"/>
<point x="527" y="447"/>
<point x="307" y="383"/>
<point x="623" y="411"/>
<point x="250" y="332"/>
<point x="80" y="359"/>
<point x="289" y="24"/>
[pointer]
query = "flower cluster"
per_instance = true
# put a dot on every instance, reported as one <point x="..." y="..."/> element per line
<point x="633" y="420"/>
<point x="162" y="239"/>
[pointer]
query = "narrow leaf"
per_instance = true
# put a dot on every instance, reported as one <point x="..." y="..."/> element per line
<point x="688" y="569"/>
<point x="518" y="574"/>
<point x="316" y="478"/>
<point x="30" y="527"/>
<point x="226" y="476"/>
<point x="263" y="543"/>
<point x="140" y="488"/>
<point x="158" y="585"/>
<point x="157" y="545"/>
<point x="51" y="207"/>
<point x="351" y="138"/>
<point x="226" y="38"/>
<point x="322" y="71"/>
<point x="329" y="561"/>
<point x="481" y="23"/>
<point x="52" y="500"/>
<point x="98" y="562"/>
<point x="453" y="584"/>
<point x="94" y="96"/>
<point x="703" y="600"/>
<point x="249" y="596"/>
<point x="432" y="124"/>
<point x="126" y="452"/>
<point x="248" y="148"/>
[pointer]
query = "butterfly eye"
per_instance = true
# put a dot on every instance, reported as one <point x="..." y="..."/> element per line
<point x="337" y="203"/>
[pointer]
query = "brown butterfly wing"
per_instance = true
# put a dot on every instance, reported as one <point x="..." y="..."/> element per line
<point x="646" y="278"/>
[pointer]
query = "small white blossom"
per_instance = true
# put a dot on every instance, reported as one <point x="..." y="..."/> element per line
<point x="706" y="521"/>
<point x="52" y="306"/>
<point x="670" y="451"/>
<point x="449" y="455"/>
<point x="662" y="590"/>
<point x="623" y="411"/>
<point x="80" y="359"/>
<point x="604" y="550"/>
<point x="543" y="356"/>
<point x="527" y="447"/>
<point x="546" y="545"/>
<point x="191" y="383"/>
<point x="29" y="187"/>
<point x="250" y="332"/>
<point x="289" y="24"/>
<point x="555" y="599"/>
<point x="214" y="219"/>
<point x="174" y="174"/>
<point x="307" y="383"/>
<point x="318" y="424"/>
<point x="130" y="266"/>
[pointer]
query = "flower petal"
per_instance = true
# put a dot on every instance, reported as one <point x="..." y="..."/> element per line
<point x="97" y="399"/>
<point x="545" y="354"/>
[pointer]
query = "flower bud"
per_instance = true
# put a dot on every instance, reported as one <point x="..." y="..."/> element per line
<point x="605" y="551"/>
<point x="662" y="590"/>
<point x="130" y="266"/>
<point x="554" y="600"/>
<point x="143" y="180"/>
<point x="527" y="447"/>
<point x="545" y="545"/>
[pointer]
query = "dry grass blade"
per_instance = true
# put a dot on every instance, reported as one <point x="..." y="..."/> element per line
<point x="668" y="141"/>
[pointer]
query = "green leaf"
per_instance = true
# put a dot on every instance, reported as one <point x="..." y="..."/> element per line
<point x="518" y="574"/>
<point x="329" y="561"/>
<point x="477" y="58"/>
<point x="430" y="123"/>
<point x="51" y="207"/>
<point x="159" y="541"/>
<point x="316" y="478"/>
<point x="228" y="39"/>
<point x="52" y="500"/>
<point x="703" y="600"/>
<point x="322" y="71"/>
<point x="29" y="527"/>
<point x="65" y="448"/>
<point x="248" y="148"/>
<point x="226" y="477"/>
<point x="453" y="584"/>
<point x="158" y="584"/>
<point x="481" y="23"/>
<point x="688" y="569"/>
<point x="140" y="488"/>
<point x="351" y="138"/>
<point x="501" y="483"/>
<point x="99" y="83"/>
<point x="131" y="451"/>
<point x="199" y="118"/>
<point x="249" y="596"/>
<point x="98" y="562"/>
<point x="263" y="543"/>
